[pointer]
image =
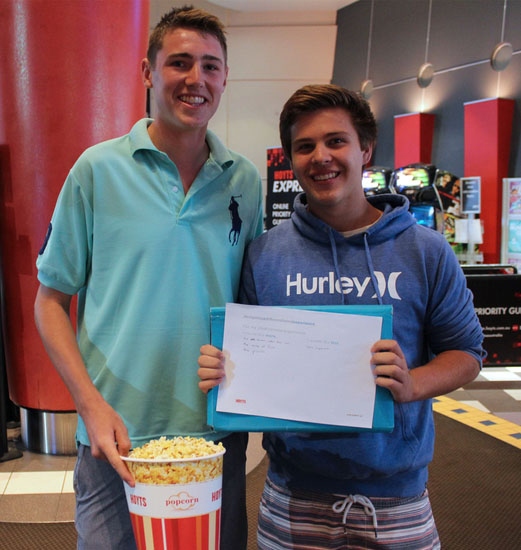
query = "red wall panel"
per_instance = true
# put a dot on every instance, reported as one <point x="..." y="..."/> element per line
<point x="69" y="78"/>
<point x="413" y="135"/>
<point x="488" y="131"/>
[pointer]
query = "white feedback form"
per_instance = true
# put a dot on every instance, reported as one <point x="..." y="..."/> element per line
<point x="299" y="365"/>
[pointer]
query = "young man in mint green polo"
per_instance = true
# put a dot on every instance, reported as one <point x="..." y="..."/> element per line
<point x="141" y="234"/>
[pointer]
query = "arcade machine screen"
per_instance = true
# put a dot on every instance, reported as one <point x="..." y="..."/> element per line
<point x="409" y="179"/>
<point x="375" y="180"/>
<point x="424" y="215"/>
<point x="416" y="183"/>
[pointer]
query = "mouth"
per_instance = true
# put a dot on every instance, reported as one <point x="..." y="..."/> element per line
<point x="192" y="100"/>
<point x="325" y="177"/>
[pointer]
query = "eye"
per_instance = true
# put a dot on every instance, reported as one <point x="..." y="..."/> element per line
<point x="177" y="63"/>
<point x="211" y="67"/>
<point x="336" y="141"/>
<point x="303" y="148"/>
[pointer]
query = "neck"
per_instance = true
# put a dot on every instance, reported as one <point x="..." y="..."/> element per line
<point x="186" y="148"/>
<point x="341" y="219"/>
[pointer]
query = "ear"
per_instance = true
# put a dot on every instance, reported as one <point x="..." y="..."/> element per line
<point x="146" y="73"/>
<point x="225" y="76"/>
<point x="367" y="154"/>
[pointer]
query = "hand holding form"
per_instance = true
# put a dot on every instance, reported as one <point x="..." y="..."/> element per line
<point x="446" y="372"/>
<point x="211" y="367"/>
<point x="391" y="370"/>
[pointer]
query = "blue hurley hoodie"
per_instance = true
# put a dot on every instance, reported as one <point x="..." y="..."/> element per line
<point x="396" y="261"/>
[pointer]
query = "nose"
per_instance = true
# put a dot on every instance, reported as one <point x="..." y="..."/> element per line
<point x="194" y="75"/>
<point x="321" y="154"/>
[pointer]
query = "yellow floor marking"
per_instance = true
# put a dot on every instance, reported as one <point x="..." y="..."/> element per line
<point x="484" y="422"/>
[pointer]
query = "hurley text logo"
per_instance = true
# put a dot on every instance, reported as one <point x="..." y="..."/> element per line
<point x="329" y="284"/>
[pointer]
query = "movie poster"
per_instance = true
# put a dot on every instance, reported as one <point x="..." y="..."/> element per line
<point x="282" y="188"/>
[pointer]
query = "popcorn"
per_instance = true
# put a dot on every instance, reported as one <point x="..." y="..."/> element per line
<point x="166" y="461"/>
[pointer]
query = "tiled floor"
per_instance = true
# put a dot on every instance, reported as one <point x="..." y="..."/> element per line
<point x="38" y="487"/>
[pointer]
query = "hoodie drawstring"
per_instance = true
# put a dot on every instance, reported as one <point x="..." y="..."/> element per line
<point x="371" y="270"/>
<point x="335" y="260"/>
<point x="369" y="261"/>
<point x="345" y="504"/>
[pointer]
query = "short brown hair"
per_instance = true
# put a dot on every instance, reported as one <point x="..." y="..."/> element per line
<point x="186" y="17"/>
<point x="316" y="97"/>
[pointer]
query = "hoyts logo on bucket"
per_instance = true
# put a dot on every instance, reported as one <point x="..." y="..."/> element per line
<point x="182" y="501"/>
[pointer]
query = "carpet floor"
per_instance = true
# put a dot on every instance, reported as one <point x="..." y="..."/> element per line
<point x="475" y="489"/>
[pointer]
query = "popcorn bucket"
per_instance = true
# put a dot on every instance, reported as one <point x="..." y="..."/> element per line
<point x="176" y="503"/>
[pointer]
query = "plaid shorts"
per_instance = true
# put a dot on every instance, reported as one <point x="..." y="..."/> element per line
<point x="306" y="520"/>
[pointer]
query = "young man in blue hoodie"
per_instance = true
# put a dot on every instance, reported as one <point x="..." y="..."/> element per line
<point x="357" y="490"/>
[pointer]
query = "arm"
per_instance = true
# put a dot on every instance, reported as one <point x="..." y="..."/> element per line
<point x="448" y="371"/>
<point x="107" y="433"/>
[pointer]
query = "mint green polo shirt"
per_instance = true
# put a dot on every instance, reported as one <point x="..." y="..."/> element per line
<point x="147" y="263"/>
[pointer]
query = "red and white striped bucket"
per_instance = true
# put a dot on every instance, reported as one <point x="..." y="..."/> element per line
<point x="171" y="515"/>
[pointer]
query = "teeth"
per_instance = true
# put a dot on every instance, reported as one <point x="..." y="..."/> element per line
<point x="194" y="100"/>
<point x="323" y="177"/>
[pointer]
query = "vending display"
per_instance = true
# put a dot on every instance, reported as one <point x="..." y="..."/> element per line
<point x="417" y="183"/>
<point x="376" y="180"/>
<point x="448" y="186"/>
<point x="511" y="222"/>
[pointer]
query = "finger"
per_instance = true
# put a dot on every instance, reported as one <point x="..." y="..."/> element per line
<point x="122" y="441"/>
<point x="206" y="385"/>
<point x="121" y="468"/>
<point x="212" y="351"/>
<point x="387" y="382"/>
<point x="385" y="358"/>
<point x="96" y="450"/>
<point x="389" y="371"/>
<point x="211" y="375"/>
<point x="387" y="345"/>
<point x="210" y="362"/>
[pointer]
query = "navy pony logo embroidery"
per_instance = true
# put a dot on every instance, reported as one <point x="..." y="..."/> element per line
<point x="235" y="231"/>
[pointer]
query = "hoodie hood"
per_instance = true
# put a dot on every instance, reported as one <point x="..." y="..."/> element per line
<point x="395" y="219"/>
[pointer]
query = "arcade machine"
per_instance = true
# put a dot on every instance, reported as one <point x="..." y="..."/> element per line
<point x="376" y="180"/>
<point x="417" y="182"/>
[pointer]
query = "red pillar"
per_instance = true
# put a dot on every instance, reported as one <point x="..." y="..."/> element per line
<point x="413" y="135"/>
<point x="488" y="132"/>
<point x="69" y="78"/>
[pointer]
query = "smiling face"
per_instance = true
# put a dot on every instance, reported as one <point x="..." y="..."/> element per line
<point x="328" y="161"/>
<point x="188" y="79"/>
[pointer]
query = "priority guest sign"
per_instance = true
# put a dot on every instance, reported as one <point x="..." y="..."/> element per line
<point x="282" y="187"/>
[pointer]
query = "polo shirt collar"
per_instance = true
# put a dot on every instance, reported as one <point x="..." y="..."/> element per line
<point x="140" y="139"/>
<point x="218" y="152"/>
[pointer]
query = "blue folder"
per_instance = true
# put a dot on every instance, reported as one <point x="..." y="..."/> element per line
<point x="383" y="416"/>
